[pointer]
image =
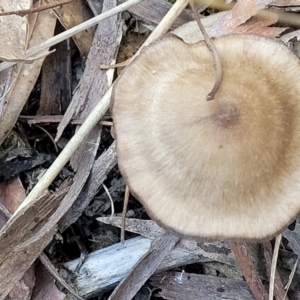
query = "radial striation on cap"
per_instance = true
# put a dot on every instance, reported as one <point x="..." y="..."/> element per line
<point x="223" y="169"/>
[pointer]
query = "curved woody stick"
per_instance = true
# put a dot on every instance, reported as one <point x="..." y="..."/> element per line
<point x="210" y="45"/>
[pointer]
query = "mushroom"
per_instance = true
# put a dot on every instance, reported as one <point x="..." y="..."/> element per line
<point x="224" y="169"/>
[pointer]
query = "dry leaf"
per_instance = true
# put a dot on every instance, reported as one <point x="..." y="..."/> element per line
<point x="12" y="193"/>
<point x="45" y="287"/>
<point x="13" y="31"/>
<point x="259" y="25"/>
<point x="239" y="14"/>
<point x="26" y="76"/>
<point x="23" y="289"/>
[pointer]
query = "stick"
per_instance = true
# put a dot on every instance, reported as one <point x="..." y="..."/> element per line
<point x="211" y="46"/>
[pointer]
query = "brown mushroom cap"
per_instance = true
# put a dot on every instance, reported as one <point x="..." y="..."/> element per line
<point x="223" y="169"/>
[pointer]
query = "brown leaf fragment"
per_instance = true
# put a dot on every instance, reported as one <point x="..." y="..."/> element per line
<point x="182" y="286"/>
<point x="145" y="267"/>
<point x="26" y="76"/>
<point x="13" y="31"/>
<point x="12" y="194"/>
<point x="51" y="270"/>
<point x="259" y="25"/>
<point x="239" y="14"/>
<point x="23" y="289"/>
<point x="45" y="288"/>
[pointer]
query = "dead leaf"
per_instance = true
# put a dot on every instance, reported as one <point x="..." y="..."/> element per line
<point x="13" y="31"/>
<point x="12" y="194"/>
<point x="23" y="289"/>
<point x="25" y="76"/>
<point x="45" y="288"/>
<point x="259" y="25"/>
<point x="239" y="14"/>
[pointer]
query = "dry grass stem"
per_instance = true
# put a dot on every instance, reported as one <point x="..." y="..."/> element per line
<point x="273" y="267"/>
<point x="125" y="205"/>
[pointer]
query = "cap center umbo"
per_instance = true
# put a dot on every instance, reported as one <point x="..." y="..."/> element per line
<point x="225" y="115"/>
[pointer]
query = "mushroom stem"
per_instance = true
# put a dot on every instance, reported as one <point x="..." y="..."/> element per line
<point x="210" y="45"/>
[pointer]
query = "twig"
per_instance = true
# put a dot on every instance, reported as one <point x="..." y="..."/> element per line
<point x="244" y="260"/>
<point x="49" y="135"/>
<point x="125" y="205"/>
<point x="210" y="45"/>
<point x="111" y="201"/>
<point x="117" y="65"/>
<point x="39" y="8"/>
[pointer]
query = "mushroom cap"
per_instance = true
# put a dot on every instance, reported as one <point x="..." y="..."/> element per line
<point x="224" y="169"/>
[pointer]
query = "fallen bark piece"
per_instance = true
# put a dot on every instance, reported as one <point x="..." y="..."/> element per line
<point x="102" y="166"/>
<point x="23" y="239"/>
<point x="145" y="267"/>
<point x="104" y="268"/>
<point x="217" y="251"/>
<point x="182" y="286"/>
